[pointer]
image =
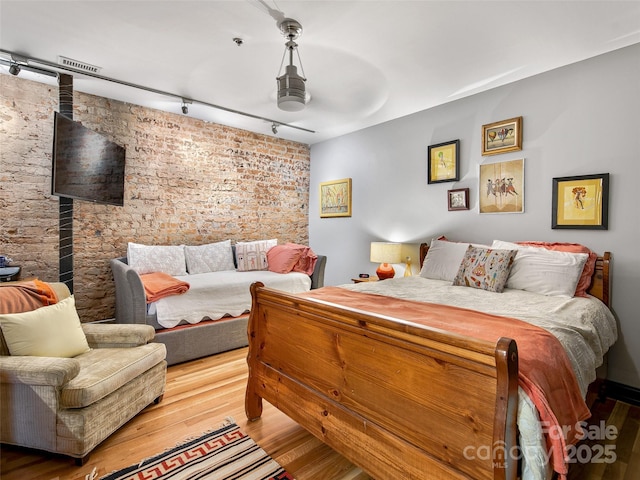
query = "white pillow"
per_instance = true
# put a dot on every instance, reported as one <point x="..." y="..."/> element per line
<point x="547" y="272"/>
<point x="168" y="259"/>
<point x="443" y="260"/>
<point x="253" y="255"/>
<point x="213" y="257"/>
<point x="51" y="331"/>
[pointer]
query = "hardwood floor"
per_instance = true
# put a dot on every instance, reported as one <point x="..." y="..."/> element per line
<point x="202" y="393"/>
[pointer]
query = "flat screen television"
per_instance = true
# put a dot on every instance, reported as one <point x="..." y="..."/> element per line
<point x="86" y="164"/>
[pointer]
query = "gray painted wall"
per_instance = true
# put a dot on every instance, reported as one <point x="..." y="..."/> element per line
<point x="577" y="120"/>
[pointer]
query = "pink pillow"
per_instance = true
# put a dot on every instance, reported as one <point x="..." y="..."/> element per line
<point x="587" y="272"/>
<point x="291" y="257"/>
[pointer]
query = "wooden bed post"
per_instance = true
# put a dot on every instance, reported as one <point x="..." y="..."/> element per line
<point x="253" y="401"/>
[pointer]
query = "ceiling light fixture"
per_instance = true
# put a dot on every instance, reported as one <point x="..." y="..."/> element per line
<point x="185" y="108"/>
<point x="291" y="86"/>
<point x="14" y="69"/>
<point x="274" y="128"/>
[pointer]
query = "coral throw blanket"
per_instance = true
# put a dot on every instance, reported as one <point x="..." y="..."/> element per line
<point x="545" y="372"/>
<point x="158" y="285"/>
<point x="18" y="297"/>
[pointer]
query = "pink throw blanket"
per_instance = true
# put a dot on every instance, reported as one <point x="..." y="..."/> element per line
<point x="158" y="285"/>
<point x="545" y="372"/>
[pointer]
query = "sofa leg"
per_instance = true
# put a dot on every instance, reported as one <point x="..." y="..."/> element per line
<point x="158" y="399"/>
<point x="82" y="460"/>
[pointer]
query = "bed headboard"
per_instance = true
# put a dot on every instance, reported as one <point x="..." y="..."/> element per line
<point x="600" y="280"/>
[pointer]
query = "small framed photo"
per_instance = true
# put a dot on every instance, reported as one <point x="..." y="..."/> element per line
<point x="443" y="162"/>
<point x="581" y="202"/>
<point x="335" y="198"/>
<point x="458" y="199"/>
<point x="501" y="187"/>
<point x="501" y="137"/>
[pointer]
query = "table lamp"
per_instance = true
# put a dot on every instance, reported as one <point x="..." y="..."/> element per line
<point x="385" y="253"/>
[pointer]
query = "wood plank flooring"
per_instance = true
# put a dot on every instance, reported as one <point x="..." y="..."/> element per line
<point x="202" y="393"/>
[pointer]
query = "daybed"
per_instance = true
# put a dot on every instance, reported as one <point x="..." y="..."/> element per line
<point x="218" y="325"/>
<point x="67" y="386"/>
<point x="408" y="389"/>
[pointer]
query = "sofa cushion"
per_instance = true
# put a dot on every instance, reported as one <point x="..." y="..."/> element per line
<point x="104" y="370"/>
<point x="51" y="331"/>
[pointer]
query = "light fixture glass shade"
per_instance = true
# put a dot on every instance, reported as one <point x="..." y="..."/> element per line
<point x="291" y="90"/>
<point x="385" y="253"/>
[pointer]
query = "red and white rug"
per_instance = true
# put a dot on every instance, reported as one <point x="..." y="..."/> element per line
<point x="226" y="454"/>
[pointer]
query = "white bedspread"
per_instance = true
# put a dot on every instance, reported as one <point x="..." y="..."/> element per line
<point x="216" y="294"/>
<point x="585" y="327"/>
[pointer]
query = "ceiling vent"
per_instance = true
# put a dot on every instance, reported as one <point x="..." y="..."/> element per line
<point x="78" y="65"/>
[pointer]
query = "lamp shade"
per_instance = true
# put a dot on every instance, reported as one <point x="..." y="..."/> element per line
<point x="385" y="252"/>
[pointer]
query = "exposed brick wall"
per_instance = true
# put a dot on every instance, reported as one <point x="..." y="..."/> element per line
<point x="187" y="182"/>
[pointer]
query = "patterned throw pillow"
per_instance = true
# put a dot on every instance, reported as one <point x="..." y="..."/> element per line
<point x="253" y="255"/>
<point x="213" y="257"/>
<point x="485" y="268"/>
<point x="157" y="258"/>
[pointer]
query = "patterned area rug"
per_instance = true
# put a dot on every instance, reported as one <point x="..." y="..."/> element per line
<point x="225" y="454"/>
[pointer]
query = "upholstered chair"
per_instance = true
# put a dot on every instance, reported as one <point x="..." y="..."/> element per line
<point x="68" y="402"/>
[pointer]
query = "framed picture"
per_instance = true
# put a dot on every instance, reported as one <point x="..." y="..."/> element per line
<point x="581" y="202"/>
<point x="501" y="137"/>
<point x="335" y="198"/>
<point x="443" y="162"/>
<point x="458" y="199"/>
<point x="501" y="188"/>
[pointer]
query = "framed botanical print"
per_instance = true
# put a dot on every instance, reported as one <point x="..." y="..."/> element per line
<point x="581" y="202"/>
<point x="335" y="198"/>
<point x="501" y="137"/>
<point x="458" y="199"/>
<point x="501" y="188"/>
<point x="443" y="162"/>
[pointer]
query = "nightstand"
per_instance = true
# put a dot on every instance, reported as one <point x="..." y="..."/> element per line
<point x="360" y="280"/>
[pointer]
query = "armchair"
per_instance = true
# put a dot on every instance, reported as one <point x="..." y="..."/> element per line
<point x="70" y="405"/>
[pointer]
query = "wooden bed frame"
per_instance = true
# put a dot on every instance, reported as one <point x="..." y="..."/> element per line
<point x="398" y="400"/>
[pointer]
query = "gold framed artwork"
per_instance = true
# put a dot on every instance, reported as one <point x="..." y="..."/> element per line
<point x="581" y="202"/>
<point x="335" y="198"/>
<point x="443" y="163"/>
<point x="501" y="137"/>
<point x="501" y="188"/>
<point x="458" y="199"/>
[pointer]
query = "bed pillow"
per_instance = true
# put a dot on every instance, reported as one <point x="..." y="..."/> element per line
<point x="253" y="255"/>
<point x="212" y="257"/>
<point x="589" y="267"/>
<point x="168" y="259"/>
<point x="291" y="257"/>
<point x="543" y="271"/>
<point x="485" y="268"/>
<point x="443" y="260"/>
<point x="52" y="331"/>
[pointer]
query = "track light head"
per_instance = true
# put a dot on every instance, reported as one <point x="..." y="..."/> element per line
<point x="274" y="128"/>
<point x="14" y="69"/>
<point x="185" y="107"/>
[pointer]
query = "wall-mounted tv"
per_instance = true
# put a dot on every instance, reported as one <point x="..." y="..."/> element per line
<point x="86" y="165"/>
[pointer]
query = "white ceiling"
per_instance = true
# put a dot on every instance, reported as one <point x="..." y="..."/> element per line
<point x="366" y="62"/>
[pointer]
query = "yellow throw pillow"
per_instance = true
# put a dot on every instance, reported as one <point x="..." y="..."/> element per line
<point x="52" y="331"/>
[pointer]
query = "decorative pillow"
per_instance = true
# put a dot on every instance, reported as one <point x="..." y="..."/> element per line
<point x="291" y="257"/>
<point x="253" y="255"/>
<point x="168" y="259"/>
<point x="589" y="267"/>
<point x="443" y="260"/>
<point x="485" y="268"/>
<point x="52" y="331"/>
<point x="213" y="257"/>
<point x="543" y="271"/>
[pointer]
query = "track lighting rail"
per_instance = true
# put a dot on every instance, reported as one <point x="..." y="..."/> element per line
<point x="26" y="63"/>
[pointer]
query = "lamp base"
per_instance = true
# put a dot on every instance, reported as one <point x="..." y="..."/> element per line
<point x="384" y="271"/>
